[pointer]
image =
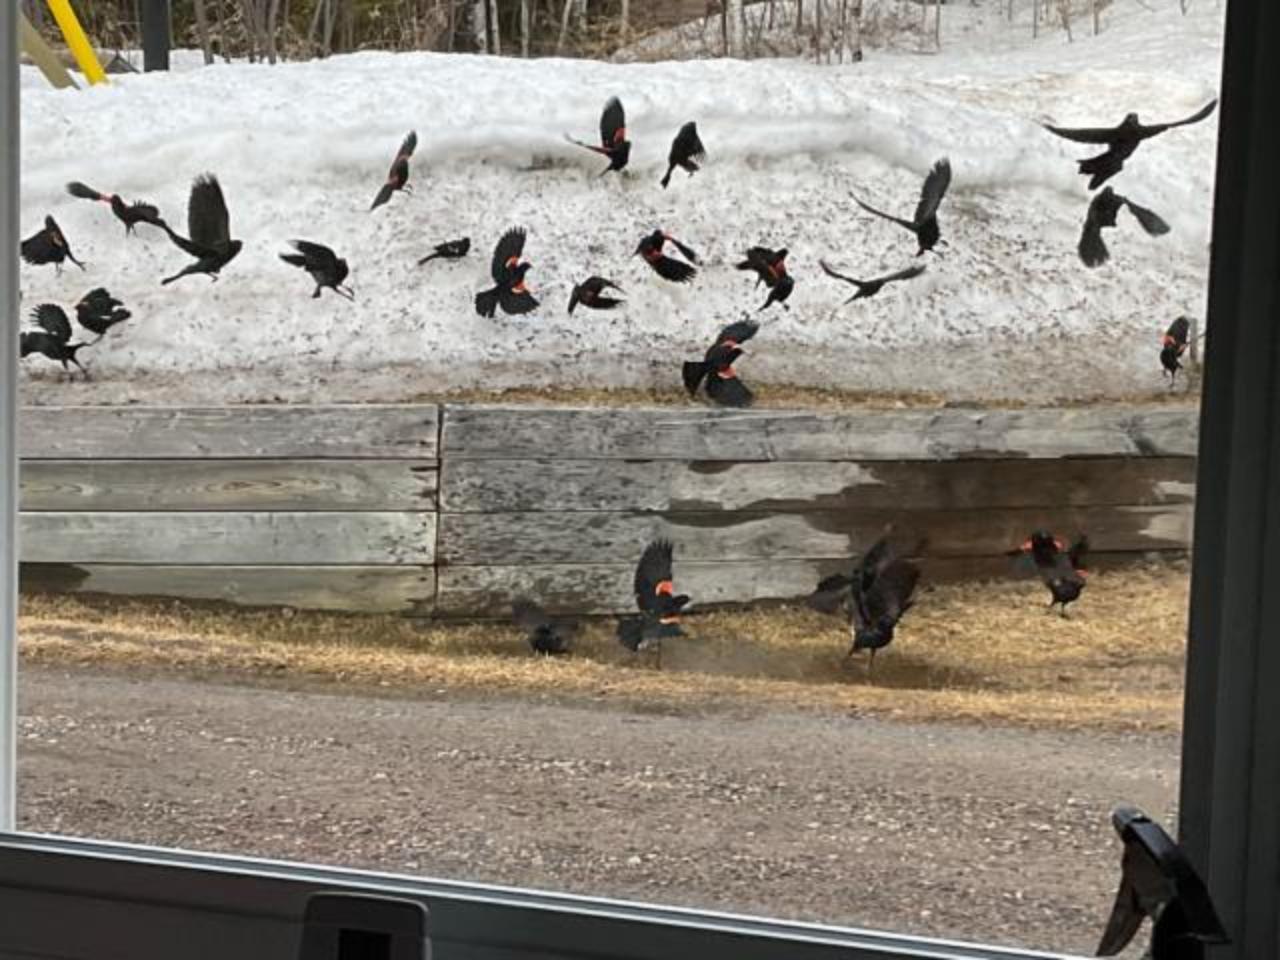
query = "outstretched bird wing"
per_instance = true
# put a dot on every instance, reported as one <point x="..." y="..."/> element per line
<point x="53" y="319"/>
<point x="891" y="594"/>
<point x="738" y="332"/>
<point x="934" y="189"/>
<point x="907" y="274"/>
<point x="39" y="248"/>
<point x="724" y="387"/>
<point x="1126" y="918"/>
<point x="208" y="222"/>
<point x="1092" y="248"/>
<point x="1155" y="128"/>
<point x="832" y="272"/>
<point x="1151" y="221"/>
<point x="613" y="124"/>
<point x="1085" y="134"/>
<point x="317" y="255"/>
<point x="887" y="216"/>
<point x="653" y="575"/>
<point x="687" y="252"/>
<point x="830" y="593"/>
<point x="507" y="253"/>
<point x="407" y="146"/>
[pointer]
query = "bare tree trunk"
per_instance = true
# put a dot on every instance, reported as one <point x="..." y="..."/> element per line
<point x="1064" y="9"/>
<point x="524" y="29"/>
<point x="250" y="28"/>
<point x="1035" y="18"/>
<point x="817" y="31"/>
<point x="497" y="28"/>
<point x="724" y="28"/>
<point x="1097" y="14"/>
<point x="799" y="16"/>
<point x="564" y="26"/>
<point x="330" y="21"/>
<point x="202" y="31"/>
<point x="1011" y="11"/>
<point x="624" y="19"/>
<point x="937" y="24"/>
<point x="273" y="14"/>
<point x="453" y="25"/>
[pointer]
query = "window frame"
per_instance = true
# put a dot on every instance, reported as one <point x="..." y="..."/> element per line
<point x="197" y="905"/>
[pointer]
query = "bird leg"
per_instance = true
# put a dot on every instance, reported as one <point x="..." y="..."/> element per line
<point x="316" y="295"/>
<point x="345" y="292"/>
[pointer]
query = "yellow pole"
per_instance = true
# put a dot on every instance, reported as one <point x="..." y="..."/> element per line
<point x="78" y="43"/>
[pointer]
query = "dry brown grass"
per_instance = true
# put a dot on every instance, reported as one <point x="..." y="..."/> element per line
<point x="975" y="652"/>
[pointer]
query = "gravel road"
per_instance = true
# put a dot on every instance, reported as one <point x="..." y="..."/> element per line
<point x="968" y="832"/>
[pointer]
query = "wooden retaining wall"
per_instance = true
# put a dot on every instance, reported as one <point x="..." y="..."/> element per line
<point x="453" y="510"/>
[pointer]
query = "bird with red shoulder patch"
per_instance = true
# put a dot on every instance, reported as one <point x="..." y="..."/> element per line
<point x="508" y="270"/>
<point x="614" y="144"/>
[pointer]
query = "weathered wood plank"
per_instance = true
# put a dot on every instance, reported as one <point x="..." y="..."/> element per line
<point x="357" y="431"/>
<point x="606" y="588"/>
<point x="319" y="485"/>
<point x="485" y="486"/>
<point x="229" y="538"/>
<point x="579" y="537"/>
<point x="408" y="589"/>
<point x="953" y="433"/>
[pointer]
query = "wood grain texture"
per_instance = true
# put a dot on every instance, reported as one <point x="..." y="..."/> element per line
<point x="481" y="486"/>
<point x="357" y="431"/>
<point x="321" y="485"/>
<point x="229" y="538"/>
<point x="518" y="538"/>
<point x="405" y="590"/>
<point x="494" y="432"/>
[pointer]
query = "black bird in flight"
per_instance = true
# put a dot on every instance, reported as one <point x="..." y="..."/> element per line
<point x="130" y="214"/>
<point x="1103" y="209"/>
<point x="687" y="152"/>
<point x="508" y="272"/>
<point x="874" y="596"/>
<point x="925" y="222"/>
<point x="659" y="604"/>
<point x="869" y="288"/>
<point x="590" y="293"/>
<point x="53" y="340"/>
<point x="547" y="635"/>
<point x="716" y="367"/>
<point x="209" y="225"/>
<point x="1060" y="568"/>
<point x="651" y="248"/>
<point x="614" y="144"/>
<point x="1173" y="346"/>
<point x="398" y="175"/>
<point x="98" y="311"/>
<point x="770" y="267"/>
<point x="1121" y="141"/>
<point x="1157" y="880"/>
<point x="48" y="245"/>
<point x="327" y="269"/>
<point x="449" y="250"/>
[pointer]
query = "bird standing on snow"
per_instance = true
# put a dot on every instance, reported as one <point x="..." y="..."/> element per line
<point x="327" y="269"/>
<point x="449" y="250"/>
<point x="1102" y="215"/>
<point x="98" y="311"/>
<point x="613" y="137"/>
<point x="657" y="600"/>
<point x="651" y="248"/>
<point x="716" y="367"/>
<point x="590" y="293"/>
<point x="398" y="176"/>
<point x="53" y="340"/>
<point x="130" y="214"/>
<point x="925" y="222"/>
<point x="869" y="288"/>
<point x="1157" y="880"/>
<point x="1121" y="141"/>
<point x="49" y="245"/>
<point x="1061" y="569"/>
<point x="209" y="224"/>
<point x="546" y="635"/>
<point x="1173" y="346"/>
<point x="508" y="272"/>
<point x="687" y="152"/>
<point x="770" y="268"/>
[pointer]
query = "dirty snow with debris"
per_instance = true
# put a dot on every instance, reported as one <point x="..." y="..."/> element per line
<point x="300" y="148"/>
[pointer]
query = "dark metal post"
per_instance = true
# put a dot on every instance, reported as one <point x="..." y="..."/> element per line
<point x="1230" y="799"/>
<point x="156" y="34"/>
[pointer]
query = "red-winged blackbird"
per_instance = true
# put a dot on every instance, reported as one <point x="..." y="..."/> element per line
<point x="590" y="293"/>
<point x="770" y="267"/>
<point x="398" y="175"/>
<point x="54" y="341"/>
<point x="49" y="245"/>
<point x="98" y="311"/>
<point x="209" y="224"/>
<point x="1060" y="568"/>
<point x="546" y="635"/>
<point x="508" y="272"/>
<point x="449" y="250"/>
<point x="1173" y="346"/>
<point x="869" y="288"/>
<point x="1157" y="880"/>
<point x="716" y="368"/>
<point x="130" y="214"/>
<point x="327" y="269"/>
<point x="1121" y="140"/>
<point x="925" y="222"/>
<point x="651" y="248"/>
<point x="613" y="137"/>
<point x="874" y="596"/>
<point x="657" y="600"/>
<point x="1102" y="214"/>
<point x="687" y="152"/>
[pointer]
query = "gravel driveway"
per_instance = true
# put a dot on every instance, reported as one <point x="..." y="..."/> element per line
<point x="967" y="832"/>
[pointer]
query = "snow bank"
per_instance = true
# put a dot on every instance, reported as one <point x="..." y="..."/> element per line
<point x="301" y="149"/>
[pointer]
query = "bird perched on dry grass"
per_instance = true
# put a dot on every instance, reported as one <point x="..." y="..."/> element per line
<point x="1060" y="568"/>
<point x="547" y="635"/>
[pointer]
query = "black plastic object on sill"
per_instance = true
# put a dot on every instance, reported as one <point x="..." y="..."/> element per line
<point x="344" y="926"/>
